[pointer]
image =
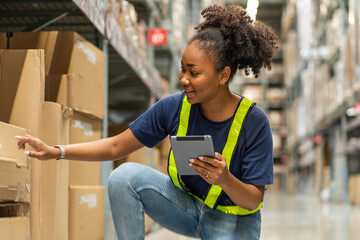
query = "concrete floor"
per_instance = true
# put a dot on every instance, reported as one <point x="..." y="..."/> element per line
<point x="297" y="217"/>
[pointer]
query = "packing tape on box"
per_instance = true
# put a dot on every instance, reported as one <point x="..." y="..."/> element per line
<point x="87" y="127"/>
<point x="90" y="199"/>
<point x="27" y="189"/>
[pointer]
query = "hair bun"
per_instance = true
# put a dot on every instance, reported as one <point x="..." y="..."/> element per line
<point x="248" y="44"/>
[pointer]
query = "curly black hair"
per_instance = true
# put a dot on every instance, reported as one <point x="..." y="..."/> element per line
<point x="233" y="39"/>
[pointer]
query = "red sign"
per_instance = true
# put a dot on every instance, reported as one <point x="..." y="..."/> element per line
<point x="318" y="139"/>
<point x="357" y="106"/>
<point x="157" y="36"/>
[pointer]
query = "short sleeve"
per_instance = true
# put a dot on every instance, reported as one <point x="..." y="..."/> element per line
<point x="257" y="163"/>
<point x="156" y="123"/>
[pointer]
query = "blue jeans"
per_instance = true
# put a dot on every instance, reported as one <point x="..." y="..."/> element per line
<point x="135" y="188"/>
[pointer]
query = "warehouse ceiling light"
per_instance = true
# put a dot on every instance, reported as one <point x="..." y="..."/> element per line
<point x="251" y="8"/>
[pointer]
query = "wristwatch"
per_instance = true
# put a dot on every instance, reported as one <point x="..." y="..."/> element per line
<point x="62" y="151"/>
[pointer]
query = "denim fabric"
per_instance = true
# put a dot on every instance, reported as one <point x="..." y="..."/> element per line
<point x="135" y="189"/>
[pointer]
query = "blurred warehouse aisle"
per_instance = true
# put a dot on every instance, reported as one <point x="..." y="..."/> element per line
<point x="297" y="217"/>
<point x="305" y="217"/>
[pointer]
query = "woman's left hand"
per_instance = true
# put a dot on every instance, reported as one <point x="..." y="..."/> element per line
<point x="212" y="170"/>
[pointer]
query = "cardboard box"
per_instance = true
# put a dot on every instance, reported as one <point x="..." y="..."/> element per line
<point x="147" y="156"/>
<point x="276" y="95"/>
<point x="14" y="166"/>
<point x="15" y="228"/>
<point x="68" y="52"/>
<point x="73" y="54"/>
<point x="148" y="223"/>
<point x="276" y="118"/>
<point x="277" y="71"/>
<point x="22" y="82"/>
<point x="276" y="187"/>
<point x="354" y="189"/>
<point x="53" y="175"/>
<point x="254" y="92"/>
<point x="75" y="92"/>
<point x="277" y="145"/>
<point x="164" y="150"/>
<point x="164" y="147"/>
<point x="22" y="87"/>
<point x="86" y="220"/>
<point x="29" y="40"/>
<point x="117" y="129"/>
<point x="57" y="89"/>
<point x="84" y="128"/>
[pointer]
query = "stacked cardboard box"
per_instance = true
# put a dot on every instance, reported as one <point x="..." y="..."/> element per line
<point x="15" y="228"/>
<point x="126" y="17"/>
<point x="53" y="176"/>
<point x="22" y="104"/>
<point x="276" y="72"/>
<point x="254" y="92"/>
<point x="291" y="58"/>
<point x="75" y="77"/>
<point x="65" y="53"/>
<point x="277" y="144"/>
<point x="276" y="95"/>
<point x="86" y="212"/>
<point x="80" y="85"/>
<point x="276" y="118"/>
<point x="14" y="185"/>
<point x="164" y="149"/>
<point x="288" y="17"/>
<point x="334" y="32"/>
<point x="321" y="79"/>
<point x="178" y="24"/>
<point x="354" y="189"/>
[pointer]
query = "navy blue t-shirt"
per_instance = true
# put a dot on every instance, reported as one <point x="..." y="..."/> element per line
<point x="253" y="158"/>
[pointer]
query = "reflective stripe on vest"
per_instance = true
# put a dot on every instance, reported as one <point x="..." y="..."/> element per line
<point x="228" y="151"/>
<point x="182" y="130"/>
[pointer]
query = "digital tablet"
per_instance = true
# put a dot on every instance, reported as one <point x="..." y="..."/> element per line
<point x="187" y="147"/>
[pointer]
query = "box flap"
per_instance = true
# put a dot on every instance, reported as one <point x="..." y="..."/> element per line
<point x="14" y="181"/>
<point x="15" y="228"/>
<point x="8" y="143"/>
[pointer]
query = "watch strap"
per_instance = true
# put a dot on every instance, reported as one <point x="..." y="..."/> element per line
<point x="62" y="151"/>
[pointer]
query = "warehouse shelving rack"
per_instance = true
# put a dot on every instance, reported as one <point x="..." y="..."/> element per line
<point x="335" y="127"/>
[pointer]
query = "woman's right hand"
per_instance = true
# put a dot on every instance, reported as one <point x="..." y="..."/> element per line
<point x="42" y="150"/>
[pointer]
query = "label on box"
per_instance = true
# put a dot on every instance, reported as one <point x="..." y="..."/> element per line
<point x="91" y="56"/>
<point x="89" y="199"/>
<point x="87" y="127"/>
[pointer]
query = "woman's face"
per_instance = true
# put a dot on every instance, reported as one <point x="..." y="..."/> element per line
<point x="198" y="75"/>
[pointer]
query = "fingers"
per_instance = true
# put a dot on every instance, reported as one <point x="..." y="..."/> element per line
<point x="38" y="155"/>
<point x="216" y="162"/>
<point x="219" y="157"/>
<point x="196" y="163"/>
<point x="210" y="169"/>
<point x="40" y="148"/>
<point x="22" y="141"/>
<point x="201" y="168"/>
<point x="32" y="141"/>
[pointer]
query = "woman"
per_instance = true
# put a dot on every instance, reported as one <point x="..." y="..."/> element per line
<point x="224" y="200"/>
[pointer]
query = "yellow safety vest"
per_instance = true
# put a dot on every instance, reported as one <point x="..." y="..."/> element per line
<point x="231" y="142"/>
